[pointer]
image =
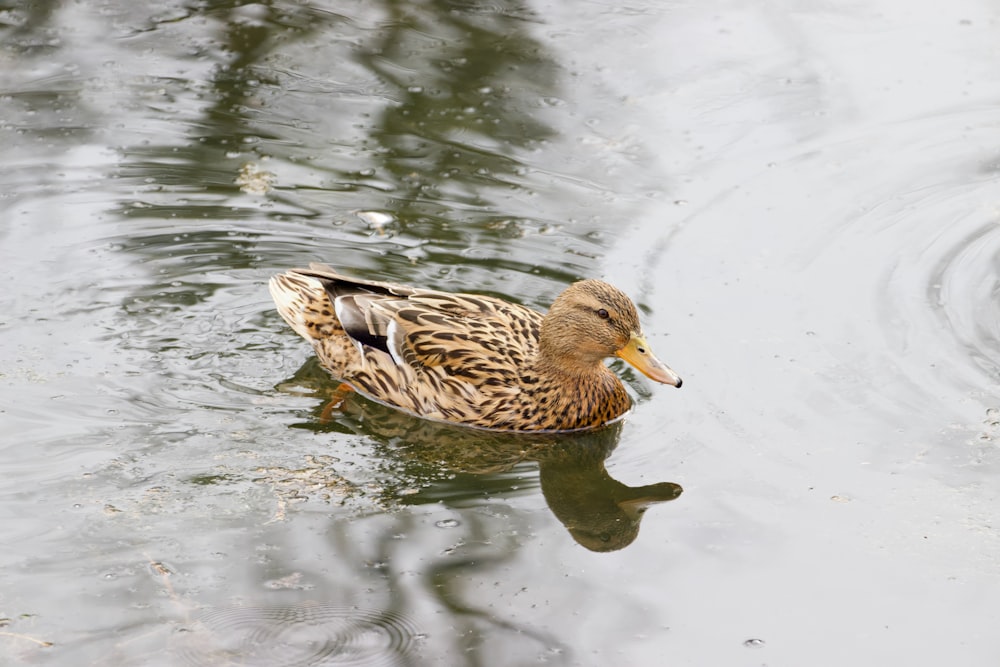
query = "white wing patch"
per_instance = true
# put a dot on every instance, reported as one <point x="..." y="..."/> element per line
<point x="348" y="318"/>
<point x="395" y="335"/>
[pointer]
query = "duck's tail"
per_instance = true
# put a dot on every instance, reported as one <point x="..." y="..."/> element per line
<point x="303" y="303"/>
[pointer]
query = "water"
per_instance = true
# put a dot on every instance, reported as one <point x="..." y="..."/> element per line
<point x="801" y="197"/>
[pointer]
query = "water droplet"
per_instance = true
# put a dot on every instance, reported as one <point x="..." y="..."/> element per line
<point x="754" y="643"/>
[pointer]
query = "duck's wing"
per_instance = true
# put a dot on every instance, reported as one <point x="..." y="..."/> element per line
<point x="481" y="340"/>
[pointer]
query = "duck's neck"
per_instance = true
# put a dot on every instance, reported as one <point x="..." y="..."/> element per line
<point x="590" y="396"/>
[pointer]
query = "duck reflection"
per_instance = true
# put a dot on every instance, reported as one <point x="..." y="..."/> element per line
<point x="457" y="464"/>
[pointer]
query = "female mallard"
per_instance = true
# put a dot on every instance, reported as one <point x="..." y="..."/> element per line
<point x="471" y="359"/>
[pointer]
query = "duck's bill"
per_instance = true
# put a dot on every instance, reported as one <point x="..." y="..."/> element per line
<point x="638" y="354"/>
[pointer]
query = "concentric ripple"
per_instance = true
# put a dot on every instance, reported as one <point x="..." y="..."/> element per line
<point x="940" y="293"/>
<point x="964" y="288"/>
<point x="301" y="636"/>
<point x="925" y="239"/>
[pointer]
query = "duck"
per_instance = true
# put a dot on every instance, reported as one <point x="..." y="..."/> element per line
<point x="472" y="359"/>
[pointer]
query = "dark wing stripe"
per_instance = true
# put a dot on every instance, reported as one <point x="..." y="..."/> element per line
<point x="355" y="324"/>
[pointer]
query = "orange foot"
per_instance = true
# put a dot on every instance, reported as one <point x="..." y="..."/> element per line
<point x="340" y="394"/>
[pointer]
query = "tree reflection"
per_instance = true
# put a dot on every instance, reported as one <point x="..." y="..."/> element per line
<point x="465" y="81"/>
<point x="427" y="117"/>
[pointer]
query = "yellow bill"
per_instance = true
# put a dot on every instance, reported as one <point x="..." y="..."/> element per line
<point x="638" y="354"/>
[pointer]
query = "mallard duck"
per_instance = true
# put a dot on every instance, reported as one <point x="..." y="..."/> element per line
<point x="472" y="359"/>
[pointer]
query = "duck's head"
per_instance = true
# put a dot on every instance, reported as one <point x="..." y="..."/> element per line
<point x="592" y="320"/>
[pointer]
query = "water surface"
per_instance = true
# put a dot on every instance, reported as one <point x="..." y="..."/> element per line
<point x="802" y="198"/>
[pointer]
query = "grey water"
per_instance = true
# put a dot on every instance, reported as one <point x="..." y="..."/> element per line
<point x="803" y="198"/>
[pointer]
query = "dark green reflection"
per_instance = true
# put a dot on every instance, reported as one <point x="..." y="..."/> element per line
<point x="466" y="82"/>
<point x="461" y="466"/>
<point x="195" y="158"/>
<point x="24" y="23"/>
<point x="425" y="111"/>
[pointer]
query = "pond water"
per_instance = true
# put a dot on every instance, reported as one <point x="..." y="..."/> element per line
<point x="803" y="197"/>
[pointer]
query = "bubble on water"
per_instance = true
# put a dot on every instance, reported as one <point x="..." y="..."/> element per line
<point x="447" y="523"/>
<point x="375" y="219"/>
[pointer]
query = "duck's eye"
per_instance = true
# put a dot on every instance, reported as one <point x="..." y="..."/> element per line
<point x="603" y="314"/>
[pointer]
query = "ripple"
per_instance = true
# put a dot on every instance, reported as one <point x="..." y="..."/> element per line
<point x="918" y="261"/>
<point x="964" y="286"/>
<point x="301" y="636"/>
<point x="923" y="240"/>
<point x="939" y="290"/>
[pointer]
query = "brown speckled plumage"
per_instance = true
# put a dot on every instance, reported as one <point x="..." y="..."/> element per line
<point x="471" y="359"/>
